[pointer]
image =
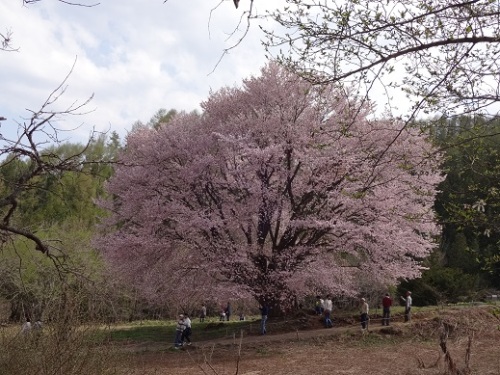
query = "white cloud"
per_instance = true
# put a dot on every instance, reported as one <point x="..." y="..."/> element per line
<point x="135" y="56"/>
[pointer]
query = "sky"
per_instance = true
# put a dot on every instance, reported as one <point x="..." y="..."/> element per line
<point x="133" y="56"/>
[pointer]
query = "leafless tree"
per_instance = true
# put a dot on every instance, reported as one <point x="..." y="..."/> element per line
<point x="33" y="147"/>
<point x="443" y="54"/>
<point x="6" y="43"/>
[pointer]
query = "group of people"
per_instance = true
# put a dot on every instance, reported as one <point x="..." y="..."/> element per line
<point x="386" y="310"/>
<point x="226" y="312"/>
<point x="182" y="331"/>
<point x="324" y="307"/>
<point x="27" y="327"/>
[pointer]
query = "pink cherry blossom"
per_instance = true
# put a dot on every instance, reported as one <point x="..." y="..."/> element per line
<point x="277" y="189"/>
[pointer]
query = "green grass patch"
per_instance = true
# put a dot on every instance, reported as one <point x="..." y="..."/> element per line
<point x="164" y="331"/>
<point x="141" y="334"/>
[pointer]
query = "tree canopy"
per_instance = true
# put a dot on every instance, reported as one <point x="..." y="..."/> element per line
<point x="468" y="202"/>
<point x="442" y="53"/>
<point x="278" y="188"/>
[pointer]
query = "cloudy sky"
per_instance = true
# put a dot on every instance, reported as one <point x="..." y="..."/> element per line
<point x="134" y="56"/>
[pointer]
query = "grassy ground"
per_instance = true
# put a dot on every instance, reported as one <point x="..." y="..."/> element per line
<point x="403" y="348"/>
<point x="158" y="331"/>
<point x="296" y="345"/>
<point x="161" y="331"/>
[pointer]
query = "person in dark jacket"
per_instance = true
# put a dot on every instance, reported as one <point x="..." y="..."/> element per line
<point x="264" y="312"/>
<point x="229" y="311"/>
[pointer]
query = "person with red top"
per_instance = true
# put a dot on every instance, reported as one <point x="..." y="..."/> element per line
<point x="386" y="305"/>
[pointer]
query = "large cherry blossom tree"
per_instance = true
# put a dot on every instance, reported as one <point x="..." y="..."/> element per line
<point x="278" y="188"/>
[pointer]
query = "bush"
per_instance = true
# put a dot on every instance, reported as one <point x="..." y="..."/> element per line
<point x="440" y="285"/>
<point x="61" y="347"/>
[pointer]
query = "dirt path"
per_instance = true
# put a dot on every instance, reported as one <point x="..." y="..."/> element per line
<point x="407" y="348"/>
<point x="298" y="334"/>
<point x="251" y="340"/>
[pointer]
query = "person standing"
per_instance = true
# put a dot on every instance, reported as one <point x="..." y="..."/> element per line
<point x="386" y="306"/>
<point x="186" y="334"/>
<point x="203" y="313"/>
<point x="328" y="306"/>
<point x="264" y="312"/>
<point x="228" y="311"/>
<point x="38" y="325"/>
<point x="364" y="314"/>
<point x="26" y="327"/>
<point x="222" y="316"/>
<point x="408" y="302"/>
<point x="179" y="329"/>
<point x="319" y="305"/>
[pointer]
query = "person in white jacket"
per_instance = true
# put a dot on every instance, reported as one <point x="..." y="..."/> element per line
<point x="408" y="301"/>
<point x="328" y="307"/>
<point x="179" y="329"/>
<point x="186" y="334"/>
<point x="364" y="314"/>
<point x="26" y="327"/>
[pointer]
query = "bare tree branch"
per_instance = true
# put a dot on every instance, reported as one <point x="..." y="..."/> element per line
<point x="6" y="42"/>
<point x="417" y="45"/>
<point x="6" y="38"/>
<point x="33" y="144"/>
<point x="27" y="2"/>
<point x="248" y="15"/>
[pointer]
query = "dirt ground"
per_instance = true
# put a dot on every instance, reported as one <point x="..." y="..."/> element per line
<point x="469" y="335"/>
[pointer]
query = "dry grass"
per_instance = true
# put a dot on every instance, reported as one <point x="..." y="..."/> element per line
<point x="448" y="341"/>
<point x="64" y="346"/>
<point x="451" y="341"/>
<point x="53" y="351"/>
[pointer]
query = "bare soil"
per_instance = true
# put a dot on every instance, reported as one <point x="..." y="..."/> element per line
<point x="455" y="340"/>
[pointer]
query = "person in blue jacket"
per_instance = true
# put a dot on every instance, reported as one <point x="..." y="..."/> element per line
<point x="264" y="312"/>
